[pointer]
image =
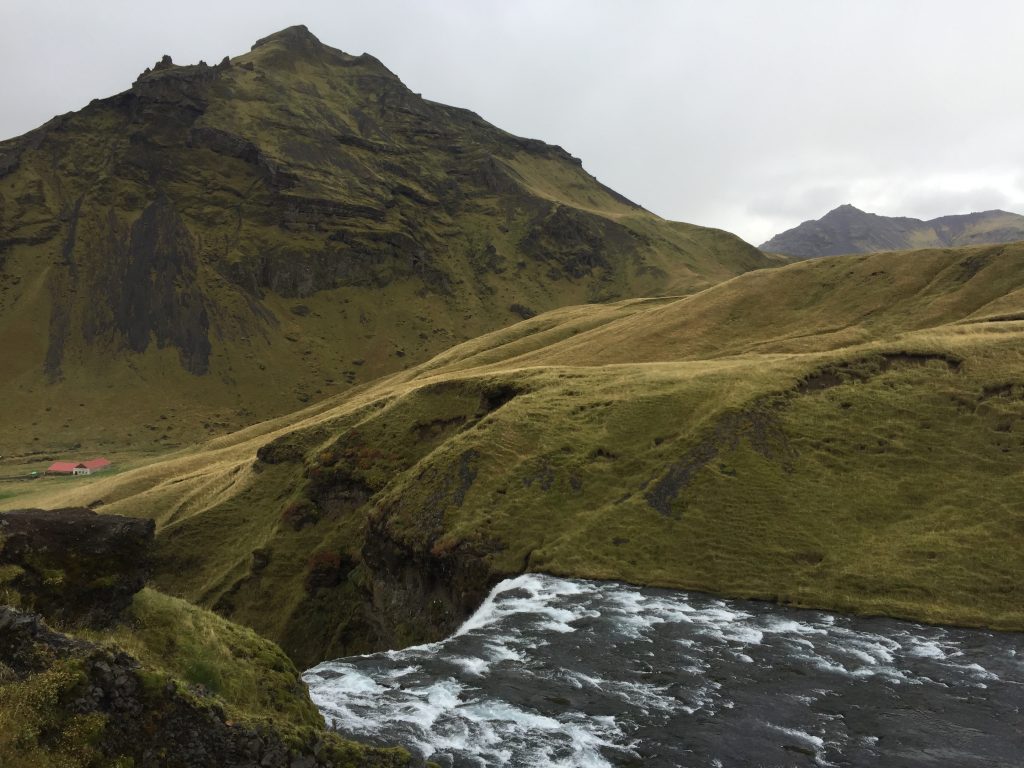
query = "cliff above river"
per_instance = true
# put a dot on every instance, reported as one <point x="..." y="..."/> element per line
<point x="135" y="677"/>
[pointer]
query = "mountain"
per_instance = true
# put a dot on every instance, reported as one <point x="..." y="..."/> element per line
<point x="220" y="244"/>
<point x="850" y="230"/>
<point x="843" y="434"/>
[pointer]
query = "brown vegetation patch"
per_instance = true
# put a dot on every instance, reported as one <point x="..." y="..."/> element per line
<point x="867" y="368"/>
<point x="758" y="425"/>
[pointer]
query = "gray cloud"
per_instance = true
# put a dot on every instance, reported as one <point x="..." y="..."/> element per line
<point x="746" y="115"/>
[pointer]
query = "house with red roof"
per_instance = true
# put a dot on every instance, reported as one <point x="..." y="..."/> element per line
<point x="78" y="467"/>
<point x="62" y="468"/>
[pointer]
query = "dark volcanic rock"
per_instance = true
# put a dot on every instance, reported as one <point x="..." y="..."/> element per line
<point x="416" y="583"/>
<point x="417" y="595"/>
<point x="575" y="243"/>
<point x="77" y="566"/>
<point x="24" y="635"/>
<point x="155" y="295"/>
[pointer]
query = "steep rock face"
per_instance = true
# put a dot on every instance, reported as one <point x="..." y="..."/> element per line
<point x="191" y="212"/>
<point x="145" y="291"/>
<point x="158" y="296"/>
<point x="351" y="574"/>
<point x="420" y="590"/>
<point x="193" y="691"/>
<point x="74" y="565"/>
<point x="418" y="595"/>
<point x="847" y="229"/>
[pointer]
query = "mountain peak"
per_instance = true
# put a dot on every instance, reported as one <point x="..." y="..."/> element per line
<point x="845" y="208"/>
<point x="847" y="229"/>
<point x="361" y="191"/>
<point x="297" y="37"/>
<point x="297" y="43"/>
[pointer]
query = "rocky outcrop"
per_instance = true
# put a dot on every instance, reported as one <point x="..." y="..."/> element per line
<point x="418" y="594"/>
<point x="73" y="565"/>
<point x="419" y="588"/>
<point x="576" y="244"/>
<point x="397" y="583"/>
<point x="139" y="717"/>
<point x="76" y="567"/>
<point x="27" y="645"/>
<point x="157" y="297"/>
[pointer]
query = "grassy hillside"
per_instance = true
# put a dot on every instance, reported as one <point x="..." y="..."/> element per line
<point x="185" y="669"/>
<point x="221" y="244"/>
<point x="843" y="433"/>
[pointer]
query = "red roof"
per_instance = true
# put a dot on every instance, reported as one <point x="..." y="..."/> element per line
<point x="67" y="467"/>
<point x="63" y="466"/>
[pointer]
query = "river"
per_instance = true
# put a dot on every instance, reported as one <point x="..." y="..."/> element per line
<point x="559" y="672"/>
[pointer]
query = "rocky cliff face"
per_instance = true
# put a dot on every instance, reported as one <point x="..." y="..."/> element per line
<point x="356" y="568"/>
<point x="849" y="230"/>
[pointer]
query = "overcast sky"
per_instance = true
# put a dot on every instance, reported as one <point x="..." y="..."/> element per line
<point x="750" y="115"/>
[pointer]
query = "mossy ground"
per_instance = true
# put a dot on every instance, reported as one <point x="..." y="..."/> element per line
<point x="35" y="732"/>
<point x="252" y="676"/>
<point x="210" y="661"/>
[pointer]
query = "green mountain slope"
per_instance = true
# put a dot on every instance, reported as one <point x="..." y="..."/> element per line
<point x="850" y="230"/>
<point x="220" y="244"/>
<point x="841" y="433"/>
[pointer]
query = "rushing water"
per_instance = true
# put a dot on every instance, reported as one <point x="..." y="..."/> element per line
<point x="553" y="672"/>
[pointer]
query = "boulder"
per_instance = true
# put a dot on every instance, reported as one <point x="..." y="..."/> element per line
<point x="74" y="566"/>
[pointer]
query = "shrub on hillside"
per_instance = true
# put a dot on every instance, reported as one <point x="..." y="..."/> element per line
<point x="299" y="514"/>
<point x="327" y="568"/>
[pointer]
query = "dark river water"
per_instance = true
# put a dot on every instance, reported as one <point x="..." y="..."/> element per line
<point x="556" y="672"/>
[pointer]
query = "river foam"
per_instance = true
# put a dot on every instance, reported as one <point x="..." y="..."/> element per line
<point x="563" y="672"/>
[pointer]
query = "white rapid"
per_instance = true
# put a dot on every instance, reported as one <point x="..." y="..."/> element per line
<point x="557" y="672"/>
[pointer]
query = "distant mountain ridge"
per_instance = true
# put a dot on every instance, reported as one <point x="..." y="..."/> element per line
<point x="847" y="229"/>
